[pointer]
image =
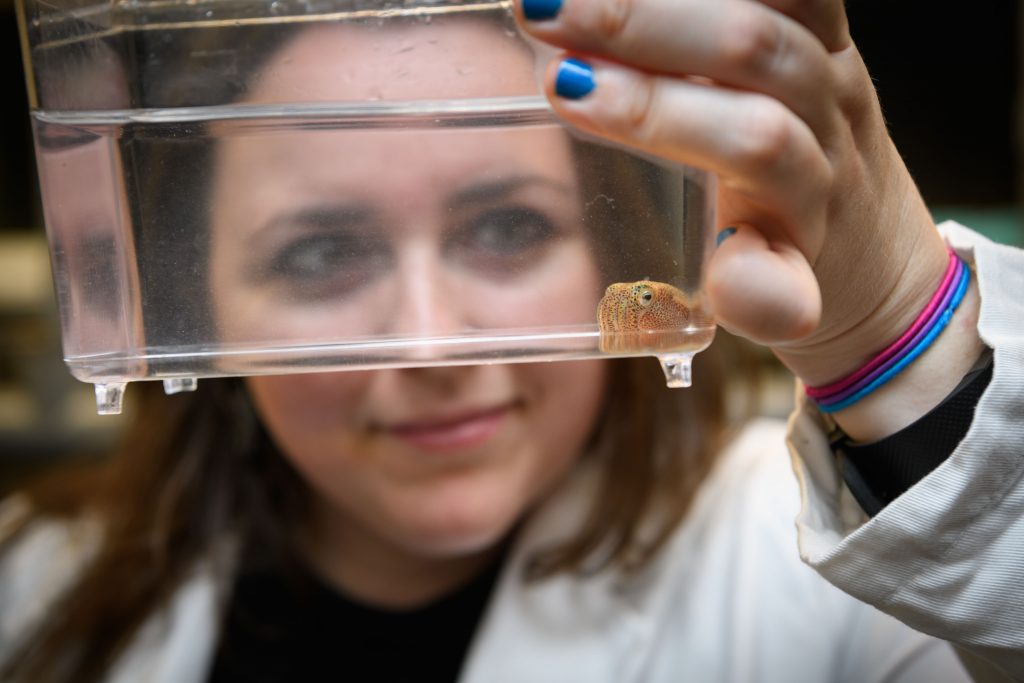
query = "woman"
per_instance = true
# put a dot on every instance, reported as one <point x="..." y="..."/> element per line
<point x="635" y="578"/>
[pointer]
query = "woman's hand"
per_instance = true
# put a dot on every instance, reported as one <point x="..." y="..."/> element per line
<point x="834" y="252"/>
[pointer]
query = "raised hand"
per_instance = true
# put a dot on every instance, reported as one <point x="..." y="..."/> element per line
<point x="833" y="252"/>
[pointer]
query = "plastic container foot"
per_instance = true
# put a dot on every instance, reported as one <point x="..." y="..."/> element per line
<point x="677" y="368"/>
<point x="179" y="385"/>
<point x="110" y="398"/>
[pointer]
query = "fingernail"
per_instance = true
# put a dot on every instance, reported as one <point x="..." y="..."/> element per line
<point x="538" y="10"/>
<point x="725" y="234"/>
<point x="575" y="79"/>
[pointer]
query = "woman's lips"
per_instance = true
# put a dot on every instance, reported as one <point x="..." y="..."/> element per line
<point x="455" y="432"/>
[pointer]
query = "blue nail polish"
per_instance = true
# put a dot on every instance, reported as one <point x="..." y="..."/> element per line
<point x="575" y="79"/>
<point x="724" y="234"/>
<point x="538" y="10"/>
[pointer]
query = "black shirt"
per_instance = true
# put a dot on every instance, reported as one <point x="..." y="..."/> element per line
<point x="288" y="625"/>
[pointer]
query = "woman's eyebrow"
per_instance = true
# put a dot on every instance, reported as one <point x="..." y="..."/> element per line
<point x="489" y="192"/>
<point x="316" y="216"/>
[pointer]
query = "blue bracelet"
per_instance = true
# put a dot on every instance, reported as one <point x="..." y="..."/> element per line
<point x="940" y="325"/>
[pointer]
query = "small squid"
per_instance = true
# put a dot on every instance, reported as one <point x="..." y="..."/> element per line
<point x="645" y="316"/>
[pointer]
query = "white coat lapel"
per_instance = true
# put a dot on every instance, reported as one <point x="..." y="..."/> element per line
<point x="566" y="628"/>
<point x="176" y="644"/>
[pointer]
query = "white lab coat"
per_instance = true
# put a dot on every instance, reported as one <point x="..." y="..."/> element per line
<point x="728" y="600"/>
<point x="947" y="557"/>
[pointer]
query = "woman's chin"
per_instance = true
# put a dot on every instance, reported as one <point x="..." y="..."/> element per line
<point x="449" y="544"/>
<point x="451" y="531"/>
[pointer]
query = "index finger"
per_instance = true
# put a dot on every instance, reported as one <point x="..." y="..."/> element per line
<point x="825" y="19"/>
<point x="737" y="43"/>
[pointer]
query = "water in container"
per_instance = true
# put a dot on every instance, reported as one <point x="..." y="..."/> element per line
<point x="242" y="187"/>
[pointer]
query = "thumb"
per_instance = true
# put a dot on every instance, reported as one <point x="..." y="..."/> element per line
<point x="764" y="291"/>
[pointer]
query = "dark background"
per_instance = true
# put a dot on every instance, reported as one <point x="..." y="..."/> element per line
<point x="947" y="74"/>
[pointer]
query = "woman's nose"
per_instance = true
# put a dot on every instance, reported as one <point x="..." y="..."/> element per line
<point x="431" y="300"/>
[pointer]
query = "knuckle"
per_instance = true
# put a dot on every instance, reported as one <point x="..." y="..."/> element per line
<point x="640" y="108"/>
<point x="614" y="17"/>
<point x="751" y="41"/>
<point x="603" y="21"/>
<point x="768" y="135"/>
<point x="820" y="178"/>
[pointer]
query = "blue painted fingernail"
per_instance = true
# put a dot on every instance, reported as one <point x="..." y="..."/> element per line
<point x="575" y="79"/>
<point x="538" y="10"/>
<point x="725" y="234"/>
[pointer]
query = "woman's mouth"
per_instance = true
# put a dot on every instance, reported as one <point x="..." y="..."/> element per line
<point x="451" y="432"/>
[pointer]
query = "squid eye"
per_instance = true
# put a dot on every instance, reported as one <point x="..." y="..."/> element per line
<point x="645" y="296"/>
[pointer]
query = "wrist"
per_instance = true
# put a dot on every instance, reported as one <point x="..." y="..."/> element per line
<point x="924" y="383"/>
<point x="876" y="308"/>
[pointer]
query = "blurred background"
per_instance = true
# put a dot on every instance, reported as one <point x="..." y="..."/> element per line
<point x="949" y="78"/>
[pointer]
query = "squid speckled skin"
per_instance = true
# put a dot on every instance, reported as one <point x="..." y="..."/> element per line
<point x="646" y="316"/>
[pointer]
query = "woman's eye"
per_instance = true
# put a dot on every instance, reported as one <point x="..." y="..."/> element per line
<point x="311" y="257"/>
<point x="499" y="237"/>
<point x="324" y="265"/>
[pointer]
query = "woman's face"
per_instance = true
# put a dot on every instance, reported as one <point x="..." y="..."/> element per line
<point x="320" y="235"/>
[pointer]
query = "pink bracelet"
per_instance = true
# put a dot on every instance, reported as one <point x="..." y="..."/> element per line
<point x="904" y="350"/>
<point x="918" y="337"/>
<point x="892" y="349"/>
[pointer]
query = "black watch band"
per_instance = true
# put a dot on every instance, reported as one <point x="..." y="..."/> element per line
<point x="877" y="473"/>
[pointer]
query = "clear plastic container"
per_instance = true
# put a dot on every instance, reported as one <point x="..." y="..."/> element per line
<point x="251" y="187"/>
